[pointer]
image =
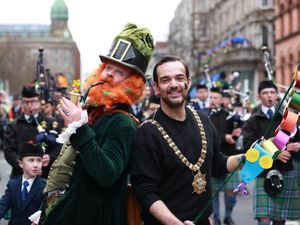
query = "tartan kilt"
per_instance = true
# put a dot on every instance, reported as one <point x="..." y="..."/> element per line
<point x="232" y="183"/>
<point x="296" y="164"/>
<point x="284" y="206"/>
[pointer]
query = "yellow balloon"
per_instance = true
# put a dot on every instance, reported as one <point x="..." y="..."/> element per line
<point x="252" y="155"/>
<point x="266" y="162"/>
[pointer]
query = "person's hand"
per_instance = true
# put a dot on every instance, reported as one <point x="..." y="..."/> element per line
<point x="237" y="132"/>
<point x="69" y="111"/>
<point x="187" y="222"/>
<point x="293" y="147"/>
<point x="284" y="156"/>
<point x="45" y="160"/>
<point x="229" y="139"/>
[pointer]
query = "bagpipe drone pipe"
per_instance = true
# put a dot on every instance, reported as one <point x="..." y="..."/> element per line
<point x="48" y="129"/>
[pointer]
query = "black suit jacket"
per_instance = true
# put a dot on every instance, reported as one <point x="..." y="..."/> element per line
<point x="16" y="134"/>
<point x="20" y="211"/>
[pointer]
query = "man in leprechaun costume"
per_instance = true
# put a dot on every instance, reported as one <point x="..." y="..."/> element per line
<point x="101" y="134"/>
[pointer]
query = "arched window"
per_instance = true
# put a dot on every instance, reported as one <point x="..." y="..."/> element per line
<point x="290" y="18"/>
<point x="281" y="20"/>
<point x="282" y="67"/>
<point x="291" y="66"/>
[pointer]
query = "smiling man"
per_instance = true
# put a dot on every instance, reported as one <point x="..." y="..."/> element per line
<point x="174" y="153"/>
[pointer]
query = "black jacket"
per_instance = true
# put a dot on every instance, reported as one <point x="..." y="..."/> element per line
<point x="18" y="132"/>
<point x="20" y="211"/>
<point x="255" y="127"/>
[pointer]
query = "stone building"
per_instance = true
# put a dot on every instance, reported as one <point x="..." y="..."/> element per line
<point x="225" y="34"/>
<point x="19" y="44"/>
<point x="287" y="35"/>
<point x="161" y="49"/>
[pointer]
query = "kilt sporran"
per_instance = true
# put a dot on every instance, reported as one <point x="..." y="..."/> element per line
<point x="273" y="183"/>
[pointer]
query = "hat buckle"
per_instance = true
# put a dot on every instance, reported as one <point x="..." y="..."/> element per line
<point x="120" y="49"/>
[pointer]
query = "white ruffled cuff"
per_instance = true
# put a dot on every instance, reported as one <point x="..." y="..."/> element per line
<point x="72" y="127"/>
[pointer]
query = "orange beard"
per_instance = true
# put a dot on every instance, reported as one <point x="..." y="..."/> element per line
<point x="108" y="95"/>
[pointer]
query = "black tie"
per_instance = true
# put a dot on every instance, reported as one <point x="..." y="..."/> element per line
<point x="30" y="119"/>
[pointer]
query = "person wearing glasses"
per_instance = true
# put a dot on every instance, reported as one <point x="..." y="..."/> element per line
<point x="25" y="128"/>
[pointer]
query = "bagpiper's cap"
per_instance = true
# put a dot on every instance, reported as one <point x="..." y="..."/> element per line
<point x="30" y="149"/>
<point x="201" y="86"/>
<point x="29" y="91"/>
<point x="133" y="48"/>
<point x="216" y="90"/>
<point x="266" y="84"/>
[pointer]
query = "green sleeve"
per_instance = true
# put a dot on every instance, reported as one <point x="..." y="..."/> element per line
<point x="105" y="149"/>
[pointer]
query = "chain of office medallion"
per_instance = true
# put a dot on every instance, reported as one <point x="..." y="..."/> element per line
<point x="193" y="167"/>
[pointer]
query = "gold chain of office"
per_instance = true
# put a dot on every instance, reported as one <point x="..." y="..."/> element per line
<point x="199" y="182"/>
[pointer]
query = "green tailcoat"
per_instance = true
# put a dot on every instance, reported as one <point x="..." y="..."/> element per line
<point x="97" y="194"/>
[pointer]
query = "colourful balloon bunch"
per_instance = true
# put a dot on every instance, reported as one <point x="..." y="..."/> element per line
<point x="263" y="152"/>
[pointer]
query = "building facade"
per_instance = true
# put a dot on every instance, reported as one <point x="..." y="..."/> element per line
<point x="19" y="52"/>
<point x="287" y="35"/>
<point x="227" y="35"/>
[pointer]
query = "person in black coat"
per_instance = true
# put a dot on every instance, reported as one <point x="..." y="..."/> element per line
<point x="174" y="153"/>
<point x="218" y="116"/>
<point x="27" y="127"/>
<point x="24" y="194"/>
<point x="201" y="102"/>
<point x="282" y="205"/>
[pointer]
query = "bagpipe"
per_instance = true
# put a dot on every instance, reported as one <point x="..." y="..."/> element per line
<point x="268" y="66"/>
<point x="47" y="134"/>
<point x="263" y="152"/>
<point x="239" y="115"/>
<point x="41" y="81"/>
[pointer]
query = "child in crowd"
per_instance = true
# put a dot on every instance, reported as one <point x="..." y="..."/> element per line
<point x="24" y="194"/>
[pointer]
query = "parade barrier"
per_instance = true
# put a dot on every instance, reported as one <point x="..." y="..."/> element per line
<point x="263" y="152"/>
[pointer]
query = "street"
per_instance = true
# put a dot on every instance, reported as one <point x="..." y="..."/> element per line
<point x="242" y="214"/>
<point x="4" y="175"/>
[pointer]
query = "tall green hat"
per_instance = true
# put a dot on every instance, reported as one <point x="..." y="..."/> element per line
<point x="133" y="48"/>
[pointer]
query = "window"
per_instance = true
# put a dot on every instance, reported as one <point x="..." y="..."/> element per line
<point x="264" y="2"/>
<point x="203" y="30"/>
<point x="291" y="63"/>
<point x="282" y="67"/>
<point x="264" y="36"/>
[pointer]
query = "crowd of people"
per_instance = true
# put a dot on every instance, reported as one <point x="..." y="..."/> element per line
<point x="72" y="162"/>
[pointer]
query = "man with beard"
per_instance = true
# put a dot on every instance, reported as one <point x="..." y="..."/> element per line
<point x="174" y="153"/>
<point x="101" y="135"/>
